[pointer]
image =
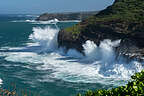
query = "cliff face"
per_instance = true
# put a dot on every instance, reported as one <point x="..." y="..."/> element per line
<point x="66" y="16"/>
<point x="123" y="20"/>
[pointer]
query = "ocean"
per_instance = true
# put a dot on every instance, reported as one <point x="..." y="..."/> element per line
<point x="31" y="60"/>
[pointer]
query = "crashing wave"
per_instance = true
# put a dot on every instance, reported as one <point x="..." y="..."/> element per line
<point x="97" y="66"/>
<point x="46" y="38"/>
<point x="1" y="82"/>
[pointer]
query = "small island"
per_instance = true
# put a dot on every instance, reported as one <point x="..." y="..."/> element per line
<point x="66" y="16"/>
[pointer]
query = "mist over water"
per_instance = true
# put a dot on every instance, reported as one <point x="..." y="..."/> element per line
<point x="99" y="65"/>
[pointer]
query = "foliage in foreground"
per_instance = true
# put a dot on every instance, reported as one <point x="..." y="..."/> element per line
<point x="133" y="88"/>
<point x="13" y="91"/>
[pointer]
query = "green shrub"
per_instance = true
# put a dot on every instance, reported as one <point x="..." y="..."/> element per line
<point x="126" y="11"/>
<point x="74" y="30"/>
<point x="133" y="88"/>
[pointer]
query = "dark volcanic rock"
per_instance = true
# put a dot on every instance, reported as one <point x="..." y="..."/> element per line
<point x="66" y="16"/>
<point x="123" y="20"/>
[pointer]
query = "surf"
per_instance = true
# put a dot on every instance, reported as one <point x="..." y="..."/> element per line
<point x="97" y="66"/>
<point x="1" y="82"/>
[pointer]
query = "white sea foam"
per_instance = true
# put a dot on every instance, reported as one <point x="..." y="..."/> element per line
<point x="70" y="21"/>
<point x="53" y="21"/>
<point x="74" y="53"/>
<point x="36" y="22"/>
<point x="97" y="66"/>
<point x="47" y="38"/>
<point x="1" y="82"/>
<point x="104" y="52"/>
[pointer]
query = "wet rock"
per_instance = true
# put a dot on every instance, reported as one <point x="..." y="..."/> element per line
<point x="123" y="20"/>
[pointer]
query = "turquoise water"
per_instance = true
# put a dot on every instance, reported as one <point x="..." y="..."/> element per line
<point x="52" y="72"/>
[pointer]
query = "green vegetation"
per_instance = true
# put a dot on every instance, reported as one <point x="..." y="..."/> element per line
<point x="124" y="18"/>
<point x="133" y="88"/>
<point x="124" y="12"/>
<point x="13" y="91"/>
<point x="128" y="10"/>
<point x="75" y="30"/>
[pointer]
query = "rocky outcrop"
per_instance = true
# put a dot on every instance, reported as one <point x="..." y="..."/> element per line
<point x="123" y="20"/>
<point x="66" y="16"/>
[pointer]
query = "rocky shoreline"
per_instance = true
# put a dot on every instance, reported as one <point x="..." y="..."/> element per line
<point x="66" y="16"/>
<point x="123" y="20"/>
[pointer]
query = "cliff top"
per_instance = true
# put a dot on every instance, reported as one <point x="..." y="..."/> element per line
<point x="128" y="10"/>
<point x="124" y="20"/>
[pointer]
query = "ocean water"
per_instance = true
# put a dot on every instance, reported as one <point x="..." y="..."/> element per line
<point x="31" y="60"/>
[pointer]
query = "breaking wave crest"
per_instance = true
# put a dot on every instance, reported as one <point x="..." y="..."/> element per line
<point x="46" y="38"/>
<point x="97" y="66"/>
<point x="1" y="82"/>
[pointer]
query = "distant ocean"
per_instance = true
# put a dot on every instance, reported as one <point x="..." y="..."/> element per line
<point x="31" y="60"/>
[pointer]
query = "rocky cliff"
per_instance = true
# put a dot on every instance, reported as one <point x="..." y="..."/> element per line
<point x="66" y="16"/>
<point x="123" y="20"/>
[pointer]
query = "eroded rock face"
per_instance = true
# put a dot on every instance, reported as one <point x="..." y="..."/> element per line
<point x="123" y="20"/>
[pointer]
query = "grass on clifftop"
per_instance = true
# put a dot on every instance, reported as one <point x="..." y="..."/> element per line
<point x="121" y="10"/>
<point x="75" y="30"/>
<point x="133" y="88"/>
<point x="125" y="10"/>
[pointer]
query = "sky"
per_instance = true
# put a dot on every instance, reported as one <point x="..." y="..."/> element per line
<point x="51" y="6"/>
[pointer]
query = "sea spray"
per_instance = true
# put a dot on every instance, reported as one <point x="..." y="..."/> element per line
<point x="1" y="81"/>
<point x="104" y="56"/>
<point x="97" y="66"/>
<point x="46" y="38"/>
<point x="74" y="53"/>
<point x="105" y="52"/>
